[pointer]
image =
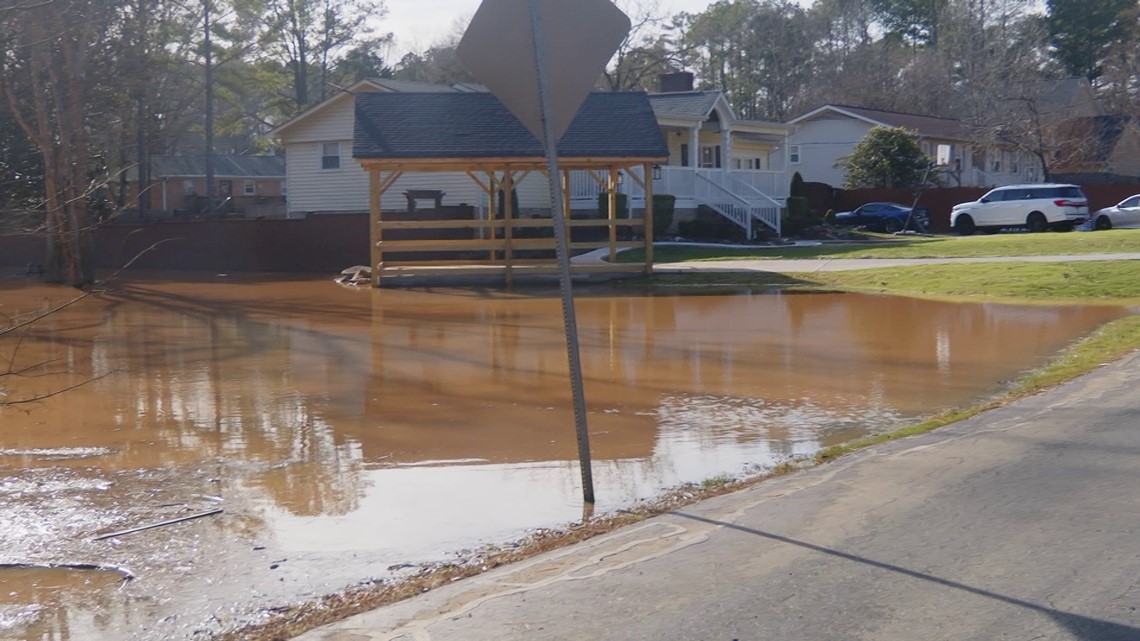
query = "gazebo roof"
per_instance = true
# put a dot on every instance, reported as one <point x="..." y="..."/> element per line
<point x="473" y="126"/>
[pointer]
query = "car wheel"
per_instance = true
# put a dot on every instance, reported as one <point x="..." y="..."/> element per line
<point x="964" y="225"/>
<point x="1037" y="223"/>
<point x="892" y="226"/>
<point x="1102" y="223"/>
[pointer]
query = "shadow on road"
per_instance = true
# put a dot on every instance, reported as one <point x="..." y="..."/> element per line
<point x="1081" y="627"/>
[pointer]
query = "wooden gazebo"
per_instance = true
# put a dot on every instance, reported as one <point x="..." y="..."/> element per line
<point x="473" y="133"/>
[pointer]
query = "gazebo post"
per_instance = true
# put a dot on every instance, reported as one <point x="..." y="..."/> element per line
<point x="611" y="192"/>
<point x="508" y="215"/>
<point x="492" y="212"/>
<point x="376" y="188"/>
<point x="647" y="168"/>
<point x="566" y="205"/>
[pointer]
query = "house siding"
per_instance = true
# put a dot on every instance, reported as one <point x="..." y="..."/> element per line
<point x="823" y="142"/>
<point x="316" y="190"/>
<point x="1125" y="159"/>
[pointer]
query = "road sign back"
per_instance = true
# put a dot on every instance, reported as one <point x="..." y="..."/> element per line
<point x="579" y="37"/>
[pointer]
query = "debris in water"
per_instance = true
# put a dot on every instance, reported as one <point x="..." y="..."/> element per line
<point x="160" y="524"/>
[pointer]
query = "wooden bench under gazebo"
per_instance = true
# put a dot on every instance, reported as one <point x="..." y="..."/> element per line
<point x="473" y="133"/>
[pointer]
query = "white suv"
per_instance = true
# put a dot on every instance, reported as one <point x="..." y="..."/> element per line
<point x="1036" y="207"/>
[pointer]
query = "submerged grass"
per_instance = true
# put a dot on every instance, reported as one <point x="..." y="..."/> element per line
<point x="1112" y="341"/>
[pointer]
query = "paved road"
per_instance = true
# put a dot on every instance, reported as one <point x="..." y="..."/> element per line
<point x="1022" y="523"/>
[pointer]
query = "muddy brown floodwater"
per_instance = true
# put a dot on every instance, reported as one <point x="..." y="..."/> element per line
<point x="349" y="435"/>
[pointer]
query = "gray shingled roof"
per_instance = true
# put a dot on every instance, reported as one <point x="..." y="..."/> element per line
<point x="225" y="166"/>
<point x="412" y="86"/>
<point x="923" y="125"/>
<point x="694" y="104"/>
<point x="477" y="125"/>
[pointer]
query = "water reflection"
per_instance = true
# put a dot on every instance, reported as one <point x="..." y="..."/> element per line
<point x="395" y="426"/>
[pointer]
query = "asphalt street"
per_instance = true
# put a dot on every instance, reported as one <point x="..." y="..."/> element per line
<point x="1022" y="523"/>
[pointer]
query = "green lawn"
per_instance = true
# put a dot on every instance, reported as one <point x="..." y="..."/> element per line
<point x="1009" y="244"/>
<point x="1114" y="282"/>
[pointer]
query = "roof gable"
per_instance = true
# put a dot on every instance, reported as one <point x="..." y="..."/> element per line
<point x="928" y="126"/>
<point x="477" y="125"/>
<point x="346" y="94"/>
<point x="686" y="104"/>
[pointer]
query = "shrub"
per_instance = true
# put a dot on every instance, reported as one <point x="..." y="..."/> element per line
<point x="663" y="206"/>
<point x="709" y="225"/>
<point x="514" y="203"/>
<point x="604" y="205"/>
<point x="797" y="217"/>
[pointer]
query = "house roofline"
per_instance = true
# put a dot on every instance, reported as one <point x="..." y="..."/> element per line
<point x="321" y="106"/>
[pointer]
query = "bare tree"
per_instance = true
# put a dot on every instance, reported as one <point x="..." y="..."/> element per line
<point x="46" y="73"/>
<point x="647" y="52"/>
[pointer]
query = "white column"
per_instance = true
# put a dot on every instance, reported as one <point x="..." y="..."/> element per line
<point x="695" y="146"/>
<point x="725" y="149"/>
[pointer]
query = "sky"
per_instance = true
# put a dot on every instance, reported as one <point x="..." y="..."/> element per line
<point x="419" y="23"/>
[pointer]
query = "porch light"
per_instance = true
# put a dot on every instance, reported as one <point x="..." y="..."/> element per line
<point x="656" y="172"/>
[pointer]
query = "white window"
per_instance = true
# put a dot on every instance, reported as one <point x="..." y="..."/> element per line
<point x="188" y="188"/>
<point x="794" y="154"/>
<point x="330" y="155"/>
<point x="944" y="154"/>
<point x="1015" y="163"/>
<point x="249" y="188"/>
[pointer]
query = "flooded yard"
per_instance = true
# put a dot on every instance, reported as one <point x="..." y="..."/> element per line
<point x="349" y="435"/>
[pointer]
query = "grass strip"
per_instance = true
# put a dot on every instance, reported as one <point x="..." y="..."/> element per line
<point x="1116" y="241"/>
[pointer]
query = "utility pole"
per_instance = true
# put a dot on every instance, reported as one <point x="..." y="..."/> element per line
<point x="209" y="114"/>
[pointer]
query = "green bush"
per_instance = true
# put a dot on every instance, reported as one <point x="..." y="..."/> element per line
<point x="514" y="203"/>
<point x="797" y="217"/>
<point x="797" y="188"/>
<point x="604" y="205"/>
<point x="711" y="226"/>
<point x="663" y="206"/>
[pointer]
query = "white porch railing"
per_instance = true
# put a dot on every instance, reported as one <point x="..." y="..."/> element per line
<point x="716" y="189"/>
<point x="736" y="195"/>
<point x="773" y="184"/>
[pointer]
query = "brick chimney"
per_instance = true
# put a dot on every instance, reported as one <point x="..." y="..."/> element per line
<point x="676" y="81"/>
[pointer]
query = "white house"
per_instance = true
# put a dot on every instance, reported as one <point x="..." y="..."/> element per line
<point x="824" y="137"/>
<point x="734" y="166"/>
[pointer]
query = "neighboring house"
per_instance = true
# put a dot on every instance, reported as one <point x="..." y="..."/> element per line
<point x="1037" y="121"/>
<point x="965" y="157"/>
<point x="322" y="177"/>
<point x="733" y="166"/>
<point x="715" y="155"/>
<point x="253" y="185"/>
<point x="1100" y="149"/>
<point x="824" y="137"/>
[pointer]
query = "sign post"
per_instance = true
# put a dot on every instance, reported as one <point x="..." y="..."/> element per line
<point x="540" y="58"/>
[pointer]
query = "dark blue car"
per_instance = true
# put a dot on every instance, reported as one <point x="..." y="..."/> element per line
<point x="884" y="217"/>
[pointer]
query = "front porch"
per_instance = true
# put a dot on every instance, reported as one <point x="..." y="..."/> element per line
<point x="746" y="197"/>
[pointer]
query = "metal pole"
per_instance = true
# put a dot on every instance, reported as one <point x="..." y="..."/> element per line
<point x="209" y="112"/>
<point x="563" y="249"/>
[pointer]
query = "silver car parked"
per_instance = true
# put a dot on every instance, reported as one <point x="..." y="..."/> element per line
<point x="1123" y="215"/>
